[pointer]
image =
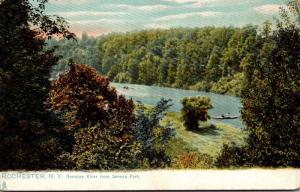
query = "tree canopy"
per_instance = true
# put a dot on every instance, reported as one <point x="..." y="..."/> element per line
<point x="28" y="131"/>
<point x="271" y="98"/>
<point x="197" y="58"/>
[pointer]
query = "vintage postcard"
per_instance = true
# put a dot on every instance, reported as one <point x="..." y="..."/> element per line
<point x="149" y="95"/>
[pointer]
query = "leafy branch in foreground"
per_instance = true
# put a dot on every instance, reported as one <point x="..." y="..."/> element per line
<point x="153" y="136"/>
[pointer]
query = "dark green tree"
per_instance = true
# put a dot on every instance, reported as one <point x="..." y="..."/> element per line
<point x="271" y="101"/>
<point x="195" y="109"/>
<point x="28" y="132"/>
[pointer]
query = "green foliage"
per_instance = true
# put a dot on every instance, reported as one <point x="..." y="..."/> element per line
<point x="229" y="85"/>
<point x="82" y="50"/>
<point x="123" y="78"/>
<point x="195" y="109"/>
<point x="233" y="156"/>
<point x="153" y="136"/>
<point x="196" y="58"/>
<point x="29" y="133"/>
<point x="183" y="156"/>
<point x="106" y="147"/>
<point x="271" y="102"/>
<point x="183" y="58"/>
<point x="205" y="140"/>
<point x="201" y="86"/>
<point x="272" y="115"/>
<point x="202" y="103"/>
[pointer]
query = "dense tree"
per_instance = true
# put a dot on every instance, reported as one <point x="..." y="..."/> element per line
<point x="88" y="97"/>
<point x="213" y="68"/>
<point x="153" y="137"/>
<point x="170" y="55"/>
<point x="195" y="109"/>
<point x="148" y="69"/>
<point x="272" y="115"/>
<point x="83" y="50"/>
<point x="185" y="58"/>
<point x="236" y="49"/>
<point x="28" y="132"/>
<point x="271" y="100"/>
<point x="97" y="117"/>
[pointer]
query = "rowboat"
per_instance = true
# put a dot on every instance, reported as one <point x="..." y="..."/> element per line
<point x="225" y="117"/>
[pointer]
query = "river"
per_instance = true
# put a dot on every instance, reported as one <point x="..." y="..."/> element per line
<point x="222" y="104"/>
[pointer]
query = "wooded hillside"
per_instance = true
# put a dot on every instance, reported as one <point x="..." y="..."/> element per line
<point x="209" y="58"/>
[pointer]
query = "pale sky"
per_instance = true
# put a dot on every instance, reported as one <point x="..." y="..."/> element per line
<point x="98" y="17"/>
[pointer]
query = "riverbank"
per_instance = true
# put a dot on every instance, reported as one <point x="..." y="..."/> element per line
<point x="209" y="139"/>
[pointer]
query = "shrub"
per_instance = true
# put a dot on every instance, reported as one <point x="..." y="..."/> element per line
<point x="105" y="146"/>
<point x="192" y="160"/>
<point x="232" y="156"/>
<point x="153" y="136"/>
<point x="195" y="109"/>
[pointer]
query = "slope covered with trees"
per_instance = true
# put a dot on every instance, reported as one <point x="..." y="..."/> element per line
<point x="271" y="98"/>
<point x="209" y="58"/>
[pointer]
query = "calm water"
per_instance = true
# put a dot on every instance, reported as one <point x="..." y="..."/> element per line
<point x="222" y="104"/>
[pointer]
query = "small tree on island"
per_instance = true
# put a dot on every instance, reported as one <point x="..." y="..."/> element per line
<point x="195" y="109"/>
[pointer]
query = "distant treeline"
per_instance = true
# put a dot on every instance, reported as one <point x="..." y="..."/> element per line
<point x="208" y="58"/>
<point x="84" y="51"/>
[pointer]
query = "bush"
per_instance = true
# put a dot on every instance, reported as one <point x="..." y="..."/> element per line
<point x="192" y="160"/>
<point x="195" y="109"/>
<point x="153" y="136"/>
<point x="232" y="156"/>
<point x="105" y="147"/>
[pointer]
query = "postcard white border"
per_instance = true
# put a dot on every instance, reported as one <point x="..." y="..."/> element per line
<point x="252" y="179"/>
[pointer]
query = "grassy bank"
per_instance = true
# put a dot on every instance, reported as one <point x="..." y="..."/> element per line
<point x="208" y="140"/>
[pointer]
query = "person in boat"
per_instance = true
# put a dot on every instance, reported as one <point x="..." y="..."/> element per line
<point x="125" y="87"/>
<point x="224" y="116"/>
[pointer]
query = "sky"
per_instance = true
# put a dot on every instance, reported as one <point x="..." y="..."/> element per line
<point x="97" y="17"/>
